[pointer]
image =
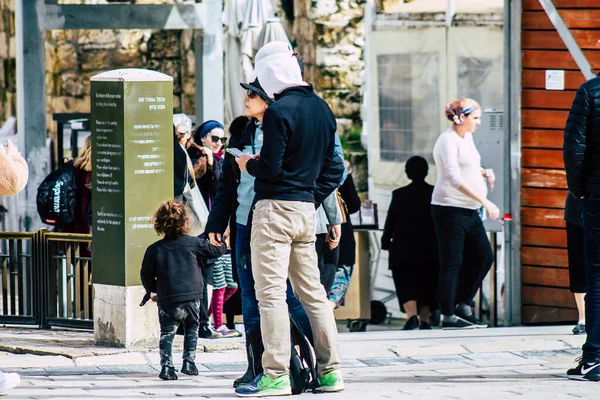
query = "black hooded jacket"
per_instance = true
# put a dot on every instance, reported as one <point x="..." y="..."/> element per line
<point x="297" y="161"/>
<point x="225" y="203"/>
<point x="581" y="146"/>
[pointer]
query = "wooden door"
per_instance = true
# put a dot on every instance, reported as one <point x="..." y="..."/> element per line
<point x="545" y="290"/>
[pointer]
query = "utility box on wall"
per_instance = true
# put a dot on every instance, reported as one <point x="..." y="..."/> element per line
<point x="489" y="139"/>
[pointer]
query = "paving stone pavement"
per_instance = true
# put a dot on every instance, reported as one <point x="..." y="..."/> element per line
<point x="501" y="363"/>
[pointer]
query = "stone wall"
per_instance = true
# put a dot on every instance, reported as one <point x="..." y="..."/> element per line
<point x="72" y="57"/>
<point x="8" y="79"/>
<point x="329" y="36"/>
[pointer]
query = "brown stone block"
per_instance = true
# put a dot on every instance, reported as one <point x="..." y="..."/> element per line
<point x="168" y="67"/>
<point x="130" y="39"/>
<point x="189" y="85"/>
<point x="66" y="58"/>
<point x="64" y="104"/>
<point x="189" y="64"/>
<point x="343" y="103"/>
<point x="188" y="104"/>
<point x="50" y="56"/>
<point x="95" y="60"/>
<point x="176" y="104"/>
<point x="62" y="35"/>
<point x="50" y="84"/>
<point x="97" y="39"/>
<point x="127" y="59"/>
<point x="85" y="80"/>
<point x="70" y="85"/>
<point x="164" y="44"/>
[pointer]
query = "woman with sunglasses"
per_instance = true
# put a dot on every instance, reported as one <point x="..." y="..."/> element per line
<point x="231" y="207"/>
<point x="206" y="152"/>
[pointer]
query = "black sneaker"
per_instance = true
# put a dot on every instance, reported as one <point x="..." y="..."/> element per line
<point x="167" y="373"/>
<point x="411" y="324"/>
<point x="585" y="370"/>
<point x="579" y="329"/>
<point x="208" y="332"/>
<point x="424" y="326"/>
<point x="459" y="323"/>
<point x="189" y="368"/>
<point x="471" y="318"/>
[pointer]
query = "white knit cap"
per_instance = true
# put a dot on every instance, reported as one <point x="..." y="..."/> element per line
<point x="277" y="68"/>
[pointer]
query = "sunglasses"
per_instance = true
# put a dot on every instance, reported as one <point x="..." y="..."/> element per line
<point x="215" y="139"/>
<point x="251" y="94"/>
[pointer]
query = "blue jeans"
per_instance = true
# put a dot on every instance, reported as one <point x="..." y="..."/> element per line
<point x="591" y="231"/>
<point x="249" y="302"/>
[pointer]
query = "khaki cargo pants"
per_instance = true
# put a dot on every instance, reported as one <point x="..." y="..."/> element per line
<point x="283" y="245"/>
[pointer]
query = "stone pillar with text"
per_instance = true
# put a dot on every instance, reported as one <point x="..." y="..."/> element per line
<point x="132" y="136"/>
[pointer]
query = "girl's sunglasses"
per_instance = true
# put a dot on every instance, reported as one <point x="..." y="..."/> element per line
<point x="251" y="94"/>
<point x="215" y="139"/>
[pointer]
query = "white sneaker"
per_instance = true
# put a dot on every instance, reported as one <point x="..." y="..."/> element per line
<point x="228" y="333"/>
<point x="9" y="381"/>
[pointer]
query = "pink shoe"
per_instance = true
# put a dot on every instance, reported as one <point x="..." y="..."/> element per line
<point x="228" y="333"/>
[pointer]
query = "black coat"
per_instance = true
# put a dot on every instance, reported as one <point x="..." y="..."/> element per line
<point x="225" y="203"/>
<point x="581" y="146"/>
<point x="408" y="233"/>
<point x="171" y="267"/>
<point x="297" y="160"/>
<point x="347" y="244"/>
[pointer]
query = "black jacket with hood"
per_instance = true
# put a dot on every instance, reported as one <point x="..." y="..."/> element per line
<point x="225" y="203"/>
<point x="581" y="146"/>
<point x="297" y="161"/>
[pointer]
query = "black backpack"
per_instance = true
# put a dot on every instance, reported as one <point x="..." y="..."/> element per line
<point x="303" y="363"/>
<point x="56" y="196"/>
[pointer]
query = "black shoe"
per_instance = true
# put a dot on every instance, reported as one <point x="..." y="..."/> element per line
<point x="471" y="318"/>
<point x="459" y="323"/>
<point x="435" y="317"/>
<point x="167" y="373"/>
<point x="424" y="326"/>
<point x="585" y="370"/>
<point x="254" y="351"/>
<point x="207" y="332"/>
<point x="189" y="368"/>
<point x="411" y="324"/>
<point x="579" y="329"/>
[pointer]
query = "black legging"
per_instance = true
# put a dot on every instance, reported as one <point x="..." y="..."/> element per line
<point x="465" y="255"/>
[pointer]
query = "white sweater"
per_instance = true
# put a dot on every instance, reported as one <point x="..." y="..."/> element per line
<point x="457" y="162"/>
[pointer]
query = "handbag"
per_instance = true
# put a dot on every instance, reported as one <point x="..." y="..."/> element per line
<point x="194" y="203"/>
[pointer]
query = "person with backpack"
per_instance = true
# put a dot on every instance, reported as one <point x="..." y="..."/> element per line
<point x="171" y="274"/>
<point x="232" y="207"/>
<point x="82" y="173"/>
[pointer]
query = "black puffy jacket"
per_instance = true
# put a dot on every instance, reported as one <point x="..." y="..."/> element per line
<point x="581" y="146"/>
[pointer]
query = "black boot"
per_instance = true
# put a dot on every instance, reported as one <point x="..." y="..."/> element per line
<point x="189" y="368"/>
<point x="254" y="351"/>
<point x="167" y="373"/>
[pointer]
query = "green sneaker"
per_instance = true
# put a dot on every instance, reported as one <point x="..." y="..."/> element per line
<point x="263" y="386"/>
<point x="331" y="382"/>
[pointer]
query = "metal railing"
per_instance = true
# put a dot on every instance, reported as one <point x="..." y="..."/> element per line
<point x="46" y="279"/>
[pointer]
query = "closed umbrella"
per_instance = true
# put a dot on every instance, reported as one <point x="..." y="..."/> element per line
<point x="233" y="18"/>
<point x="258" y="12"/>
<point x="272" y="31"/>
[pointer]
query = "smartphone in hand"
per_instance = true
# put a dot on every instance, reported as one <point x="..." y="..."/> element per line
<point x="234" y="152"/>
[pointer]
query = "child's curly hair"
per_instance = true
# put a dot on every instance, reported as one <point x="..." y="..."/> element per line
<point x="170" y="219"/>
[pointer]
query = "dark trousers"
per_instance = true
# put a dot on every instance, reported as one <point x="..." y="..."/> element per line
<point x="465" y="255"/>
<point x="591" y="232"/>
<point x="250" y="311"/>
<point x="170" y="316"/>
<point x="576" y="255"/>
<point x="328" y="260"/>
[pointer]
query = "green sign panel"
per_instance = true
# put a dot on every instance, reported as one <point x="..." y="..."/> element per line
<point x="132" y="134"/>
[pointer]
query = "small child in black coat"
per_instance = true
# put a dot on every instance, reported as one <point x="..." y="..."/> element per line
<point x="171" y="272"/>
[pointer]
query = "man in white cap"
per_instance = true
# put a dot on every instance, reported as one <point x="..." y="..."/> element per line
<point x="295" y="171"/>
